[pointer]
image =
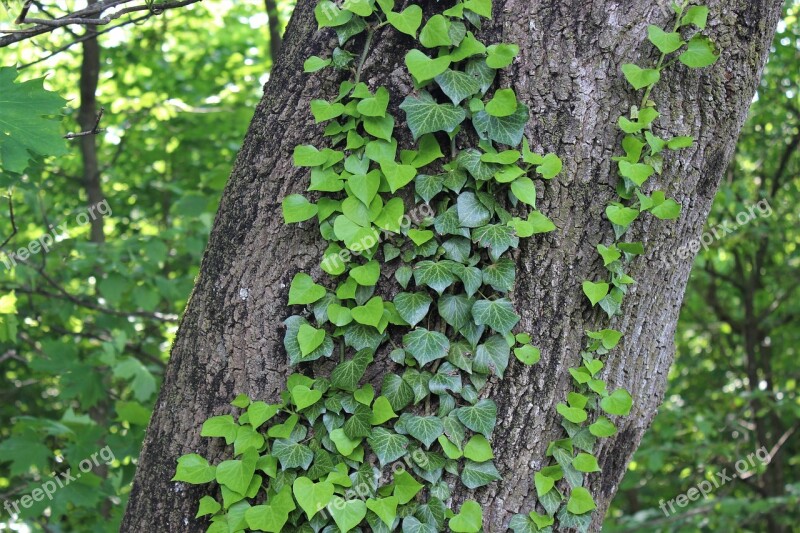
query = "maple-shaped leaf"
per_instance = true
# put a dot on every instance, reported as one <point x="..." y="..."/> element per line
<point x="27" y="124"/>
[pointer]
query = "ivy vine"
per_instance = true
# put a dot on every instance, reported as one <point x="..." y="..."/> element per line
<point x="336" y="455"/>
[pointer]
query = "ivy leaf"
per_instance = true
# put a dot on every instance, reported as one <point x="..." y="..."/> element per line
<point x="503" y="103"/>
<point x="492" y="356"/>
<point x="426" y="346"/>
<point x="24" y="130"/>
<point x="585" y="462"/>
<point x="384" y="508"/>
<point x="603" y="427"/>
<point x="471" y="212"/>
<point x="304" y="291"/>
<point x="236" y="474"/>
<point x="636" y="172"/>
<point x="621" y="215"/>
<point x="312" y="497"/>
<point x="274" y="516"/>
<point x="428" y="186"/>
<point x="497" y="238"/>
<point x="405" y="486"/>
<point x="457" y="85"/>
<point x="346" y="375"/>
<point x="497" y="314"/>
<point x="369" y="314"/>
<point x="425" y="115"/>
<point x="500" y="275"/>
<point x="639" y="77"/>
<point x="478" y="449"/>
<point x="455" y="309"/>
<point x="618" y="403"/>
<point x="501" y="55"/>
<point x="387" y="445"/>
<point x="481" y="7"/>
<point x="292" y="345"/>
<point x="329" y="15"/>
<point x="480" y="417"/>
<point x="697" y="15"/>
<point x="595" y="291"/>
<point x="669" y="209"/>
<point x="425" y="429"/>
<point x="397" y="391"/>
<point x="468" y="520"/>
<point x="314" y="64"/>
<point x="375" y="106"/>
<point x="408" y="21"/>
<point x="412" y="307"/>
<point x="699" y="53"/>
<point x="359" y="424"/>
<point x="344" y="444"/>
<point x="292" y="454"/>
<point x="347" y="513"/>
<point x="525" y="191"/>
<point x="220" y="426"/>
<point x="504" y="130"/>
<point x="193" y="468"/>
<point x="580" y="501"/>
<point x="423" y="68"/>
<point x="309" y="338"/>
<point x="527" y="354"/>
<point x="367" y="274"/>
<point x="208" y="506"/>
<point x="476" y="475"/>
<point x="435" y="274"/>
<point x="665" y="42"/>
<point x="436" y="32"/>
<point x="296" y="208"/>
<point x="398" y="176"/>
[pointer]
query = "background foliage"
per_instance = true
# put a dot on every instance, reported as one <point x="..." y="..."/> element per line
<point x="85" y="328"/>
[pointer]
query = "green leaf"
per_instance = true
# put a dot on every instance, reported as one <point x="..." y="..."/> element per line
<point x="304" y="291"/>
<point x="314" y="64"/>
<point x="527" y="354"/>
<point x="580" y="501"/>
<point x="621" y="215"/>
<point x="476" y="475"/>
<point x="369" y="314"/>
<point x="468" y="520"/>
<point x="367" y="275"/>
<point x="576" y="415"/>
<point x="425" y="429"/>
<point x="297" y="209"/>
<point x="480" y="417"/>
<point x="384" y="508"/>
<point x="324" y="110"/>
<point x="309" y="338"/>
<point x="362" y="8"/>
<point x="309" y="156"/>
<point x="344" y="444"/>
<point x="208" y="506"/>
<point x="312" y="497"/>
<point x="412" y="307"/>
<point x="503" y="104"/>
<point x="543" y="483"/>
<point x="423" y="68"/>
<point x="500" y="275"/>
<point x="304" y="397"/>
<point x="665" y="42"/>
<point x="498" y="314"/>
<point x="504" y="130"/>
<point x="236" y="474"/>
<point x="195" y="469"/>
<point x="375" y="106"/>
<point x="220" y="426"/>
<point x="457" y="85"/>
<point x="471" y="212"/>
<point x="387" y="445"/>
<point x="636" y="172"/>
<point x="272" y="517"/>
<point x="639" y="77"/>
<point x="697" y="15"/>
<point x="435" y="274"/>
<point x="382" y="411"/>
<point x="347" y="374"/>
<point x="347" y="513"/>
<point x="329" y="15"/>
<point x="397" y="391"/>
<point x="609" y="337"/>
<point x="669" y="209"/>
<point x="478" y="449"/>
<point x="405" y="487"/>
<point x="426" y="346"/>
<point x="618" y="403"/>
<point x="398" y="176"/>
<point x="425" y="115"/>
<point x="603" y="427"/>
<point x="525" y="191"/>
<point x="501" y="55"/>
<point x="699" y="53"/>
<point x="455" y="309"/>
<point x="550" y="167"/>
<point x="491" y="357"/>
<point x="24" y="128"/>
<point x="595" y="291"/>
<point x="436" y="32"/>
<point x="584" y="462"/>
<point x="407" y="21"/>
<point x="292" y="454"/>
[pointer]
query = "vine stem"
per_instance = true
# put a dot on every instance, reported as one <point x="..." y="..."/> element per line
<point x="660" y="65"/>
<point x="364" y="53"/>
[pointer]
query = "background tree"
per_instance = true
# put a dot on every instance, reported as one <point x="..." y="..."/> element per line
<point x="230" y="335"/>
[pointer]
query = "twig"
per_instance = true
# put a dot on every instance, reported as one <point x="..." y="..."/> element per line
<point x="24" y="12"/>
<point x="94" y="131"/>
<point x="13" y="223"/>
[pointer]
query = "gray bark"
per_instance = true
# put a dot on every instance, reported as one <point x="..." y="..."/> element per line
<point x="230" y="340"/>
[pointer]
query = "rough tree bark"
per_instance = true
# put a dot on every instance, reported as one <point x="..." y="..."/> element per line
<point x="230" y="340"/>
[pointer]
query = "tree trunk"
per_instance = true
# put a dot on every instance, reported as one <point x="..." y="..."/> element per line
<point x="230" y="340"/>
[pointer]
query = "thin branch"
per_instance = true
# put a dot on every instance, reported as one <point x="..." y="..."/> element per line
<point x="94" y="131"/>
<point x="13" y="223"/>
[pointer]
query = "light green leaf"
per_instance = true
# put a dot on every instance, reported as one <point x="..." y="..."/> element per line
<point x="220" y="426"/>
<point x="347" y="513"/>
<point x="407" y="21"/>
<point x="297" y="209"/>
<point x="405" y="486"/>
<point x="621" y="215"/>
<point x="503" y="104"/>
<point x="525" y="191"/>
<point x="580" y="501"/>
<point x="665" y="42"/>
<point x="423" y="68"/>
<point x="501" y="55"/>
<point x="527" y="354"/>
<point x="304" y="291"/>
<point x="697" y="15"/>
<point x="193" y="468"/>
<point x="469" y="519"/>
<point x="618" y="403"/>
<point x="584" y="462"/>
<point x="639" y="77"/>
<point x="312" y="497"/>
<point x="436" y="32"/>
<point x="314" y="64"/>
<point x="595" y="291"/>
<point x="309" y="338"/>
<point x="478" y="449"/>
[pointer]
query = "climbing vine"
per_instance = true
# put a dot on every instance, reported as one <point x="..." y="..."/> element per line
<point x="437" y="226"/>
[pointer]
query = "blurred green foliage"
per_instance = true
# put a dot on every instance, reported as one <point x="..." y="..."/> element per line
<point x="734" y="385"/>
<point x="94" y="321"/>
